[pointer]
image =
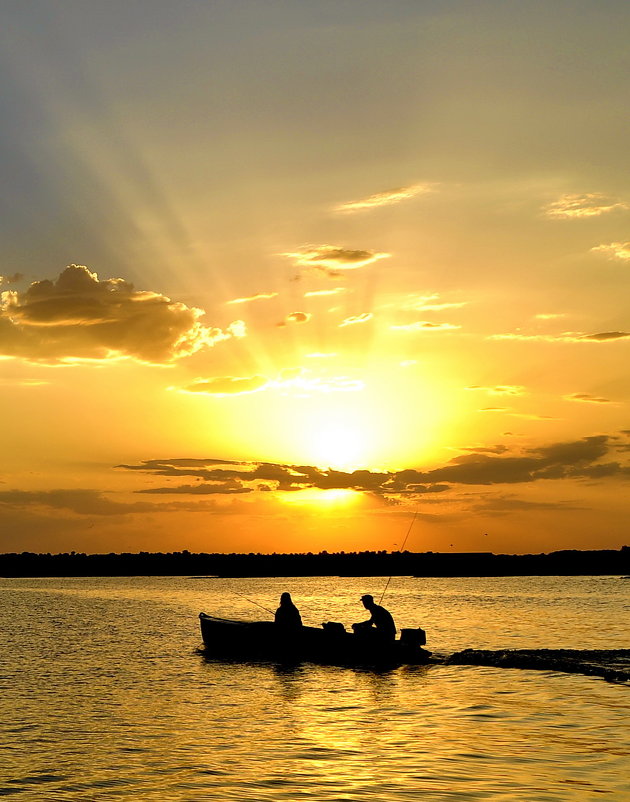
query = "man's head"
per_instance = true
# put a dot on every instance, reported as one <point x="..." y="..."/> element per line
<point x="368" y="601"/>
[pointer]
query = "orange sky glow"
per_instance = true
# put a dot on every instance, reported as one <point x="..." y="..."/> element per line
<point x="280" y="276"/>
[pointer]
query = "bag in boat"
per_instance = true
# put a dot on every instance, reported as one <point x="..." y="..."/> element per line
<point x="334" y="628"/>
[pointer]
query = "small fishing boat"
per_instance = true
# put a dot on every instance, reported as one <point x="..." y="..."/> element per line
<point x="331" y="644"/>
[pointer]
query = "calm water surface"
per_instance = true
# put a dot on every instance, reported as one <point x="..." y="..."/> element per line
<point x="105" y="696"/>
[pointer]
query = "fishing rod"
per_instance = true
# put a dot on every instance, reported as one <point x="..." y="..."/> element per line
<point x="251" y="601"/>
<point x="413" y="520"/>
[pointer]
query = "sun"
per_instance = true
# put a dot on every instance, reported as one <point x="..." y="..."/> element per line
<point x="336" y="444"/>
<point x="392" y="422"/>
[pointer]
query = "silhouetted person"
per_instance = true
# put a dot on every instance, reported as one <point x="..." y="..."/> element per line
<point x="381" y="619"/>
<point x="288" y="615"/>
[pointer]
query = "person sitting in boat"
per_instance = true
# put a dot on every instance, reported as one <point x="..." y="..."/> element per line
<point x="287" y="615"/>
<point x="381" y="619"/>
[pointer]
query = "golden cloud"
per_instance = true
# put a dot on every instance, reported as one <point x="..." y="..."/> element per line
<point x="77" y="317"/>
<point x="614" y="250"/>
<point x="590" y="204"/>
<point x="315" y="293"/>
<point x="385" y="198"/>
<point x="429" y="303"/>
<point x="262" y="296"/>
<point x="302" y="381"/>
<point x="6" y="280"/>
<point x="354" y="319"/>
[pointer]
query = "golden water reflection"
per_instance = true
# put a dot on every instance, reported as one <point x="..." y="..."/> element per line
<point x="104" y="696"/>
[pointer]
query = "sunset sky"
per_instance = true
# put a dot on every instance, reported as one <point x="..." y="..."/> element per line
<point x="280" y="275"/>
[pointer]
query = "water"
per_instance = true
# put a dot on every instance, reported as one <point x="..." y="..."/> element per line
<point x="104" y="696"/>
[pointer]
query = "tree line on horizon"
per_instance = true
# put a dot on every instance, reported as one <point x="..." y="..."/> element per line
<point x="570" y="562"/>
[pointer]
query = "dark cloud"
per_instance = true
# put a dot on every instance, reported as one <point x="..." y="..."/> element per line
<point x="604" y="336"/>
<point x="79" y="317"/>
<point x="604" y="470"/>
<point x="221" y="488"/>
<point x="588" y="449"/>
<point x="86" y="503"/>
<point x="425" y="325"/>
<point x="276" y="476"/>
<point x="296" y="317"/>
<point x="282" y="475"/>
<point x="79" y="501"/>
<point x="556" y="461"/>
<point x="503" y="504"/>
<point x="589" y="399"/>
<point x="333" y="259"/>
<point x="565" y="337"/>
<point x="181" y="462"/>
<point x="498" y="449"/>
<point x="580" y="459"/>
<point x="499" y="389"/>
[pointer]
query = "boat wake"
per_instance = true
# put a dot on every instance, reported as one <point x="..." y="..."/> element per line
<point x="611" y="664"/>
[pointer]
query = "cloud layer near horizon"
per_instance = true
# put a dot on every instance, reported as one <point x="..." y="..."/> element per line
<point x="588" y="458"/>
<point x="78" y="317"/>
<point x="95" y="503"/>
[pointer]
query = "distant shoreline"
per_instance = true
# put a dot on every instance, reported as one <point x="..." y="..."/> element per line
<point x="605" y="562"/>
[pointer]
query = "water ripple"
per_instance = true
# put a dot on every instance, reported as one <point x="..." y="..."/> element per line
<point x="125" y="707"/>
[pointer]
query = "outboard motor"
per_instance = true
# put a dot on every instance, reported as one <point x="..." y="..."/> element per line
<point x="413" y="637"/>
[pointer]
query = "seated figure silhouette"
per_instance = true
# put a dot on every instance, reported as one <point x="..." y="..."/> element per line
<point x="380" y="624"/>
<point x="287" y="615"/>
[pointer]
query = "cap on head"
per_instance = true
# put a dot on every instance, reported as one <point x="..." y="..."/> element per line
<point x="367" y="597"/>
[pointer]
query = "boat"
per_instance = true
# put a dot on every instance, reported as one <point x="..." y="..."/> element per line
<point x="331" y="644"/>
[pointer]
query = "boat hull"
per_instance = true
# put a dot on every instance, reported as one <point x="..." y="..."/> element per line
<point x="265" y="641"/>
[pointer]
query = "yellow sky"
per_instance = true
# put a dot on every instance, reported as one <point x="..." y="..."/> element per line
<point x="280" y="276"/>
